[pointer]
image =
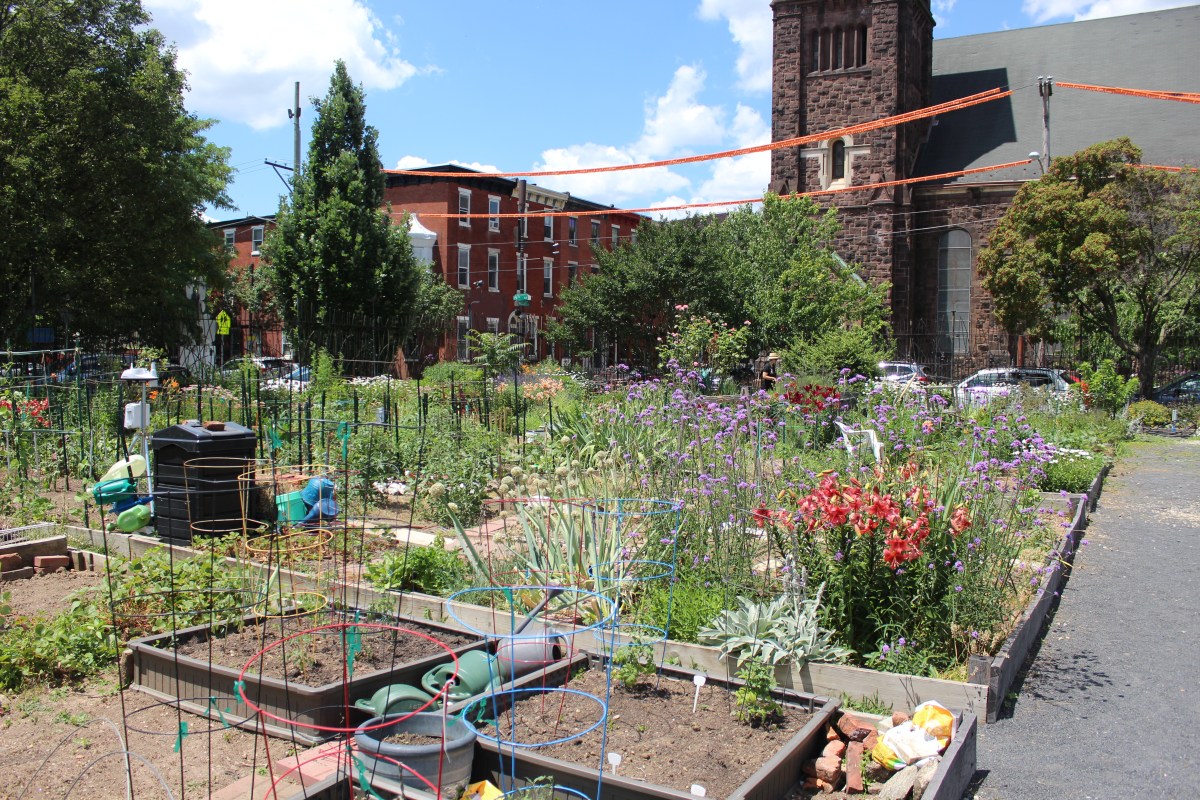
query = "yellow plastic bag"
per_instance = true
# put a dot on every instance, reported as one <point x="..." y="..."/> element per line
<point x="903" y="745"/>
<point x="936" y="720"/>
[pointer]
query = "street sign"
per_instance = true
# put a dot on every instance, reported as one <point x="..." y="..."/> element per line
<point x="223" y="323"/>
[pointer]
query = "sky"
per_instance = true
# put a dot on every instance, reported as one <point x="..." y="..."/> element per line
<point x="521" y="85"/>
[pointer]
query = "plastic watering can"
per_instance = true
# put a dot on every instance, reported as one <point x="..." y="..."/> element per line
<point x="108" y="492"/>
<point x="477" y="673"/>
<point x="395" y="699"/>
<point x="317" y="489"/>
<point x="131" y="519"/>
<point x="135" y="465"/>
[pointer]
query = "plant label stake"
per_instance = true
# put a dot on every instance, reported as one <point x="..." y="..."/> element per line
<point x="698" y="790"/>
<point x="614" y="759"/>
<point x="699" y="681"/>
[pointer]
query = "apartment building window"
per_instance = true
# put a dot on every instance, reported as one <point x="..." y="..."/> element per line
<point x="256" y="239"/>
<point x="464" y="266"/>
<point x="616" y="236"/>
<point x="633" y="236"/>
<point x="230" y="237"/>
<point x="493" y="213"/>
<point x="464" y="207"/>
<point x="493" y="325"/>
<point x="463" y="346"/>
<point x="595" y="231"/>
<point x="493" y="270"/>
<point x="548" y="228"/>
<point x="548" y="277"/>
<point x="572" y="273"/>
<point x="572" y="231"/>
<point x="521" y="262"/>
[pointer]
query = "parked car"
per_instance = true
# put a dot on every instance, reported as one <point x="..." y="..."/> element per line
<point x="902" y="372"/>
<point x="93" y="367"/>
<point x="294" y="381"/>
<point x="985" y="384"/>
<point x="1184" y="389"/>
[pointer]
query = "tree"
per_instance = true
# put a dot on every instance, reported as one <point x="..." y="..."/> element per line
<point x="1105" y="240"/>
<point x="772" y="267"/>
<point x="335" y="256"/>
<point x="103" y="177"/>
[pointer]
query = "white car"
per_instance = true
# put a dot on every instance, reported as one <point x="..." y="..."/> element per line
<point x="999" y="381"/>
<point x="294" y="381"/>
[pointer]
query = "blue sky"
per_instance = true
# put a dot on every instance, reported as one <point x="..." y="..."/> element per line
<point x="530" y="84"/>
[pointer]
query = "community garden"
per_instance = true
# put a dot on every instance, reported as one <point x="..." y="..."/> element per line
<point x="668" y="544"/>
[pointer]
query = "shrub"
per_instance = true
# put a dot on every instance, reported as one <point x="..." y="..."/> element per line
<point x="1104" y="388"/>
<point x="1070" y="471"/>
<point x="444" y="371"/>
<point x="1152" y="414"/>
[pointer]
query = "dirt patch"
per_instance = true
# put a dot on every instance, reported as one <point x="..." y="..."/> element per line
<point x="208" y="758"/>
<point x="316" y="659"/>
<point x="47" y="595"/>
<point x="655" y="731"/>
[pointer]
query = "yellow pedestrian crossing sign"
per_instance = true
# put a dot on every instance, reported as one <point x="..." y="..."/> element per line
<point x="223" y="322"/>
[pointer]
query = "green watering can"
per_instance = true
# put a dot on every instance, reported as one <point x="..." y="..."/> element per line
<point x="109" y="492"/>
<point x="399" y="698"/>
<point x="477" y="673"/>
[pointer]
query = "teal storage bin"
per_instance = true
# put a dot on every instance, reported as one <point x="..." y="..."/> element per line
<point x="291" y="506"/>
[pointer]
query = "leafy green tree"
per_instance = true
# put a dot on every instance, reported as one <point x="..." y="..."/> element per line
<point x="103" y="176"/>
<point x="496" y="353"/>
<point x="1102" y="239"/>
<point x="772" y="267"/>
<point x="335" y="255"/>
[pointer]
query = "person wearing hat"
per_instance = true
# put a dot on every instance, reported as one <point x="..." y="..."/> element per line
<point x="767" y="377"/>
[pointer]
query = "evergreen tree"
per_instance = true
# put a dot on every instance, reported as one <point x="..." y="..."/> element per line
<point x="335" y="261"/>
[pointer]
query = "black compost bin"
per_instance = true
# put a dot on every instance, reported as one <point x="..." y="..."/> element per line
<point x="196" y="478"/>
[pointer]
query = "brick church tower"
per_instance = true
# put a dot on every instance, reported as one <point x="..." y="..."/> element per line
<point x="839" y="63"/>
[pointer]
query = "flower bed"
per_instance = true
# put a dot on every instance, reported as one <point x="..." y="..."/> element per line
<point x="659" y="737"/>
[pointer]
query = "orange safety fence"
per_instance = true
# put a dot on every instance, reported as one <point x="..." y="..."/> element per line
<point x="1179" y="97"/>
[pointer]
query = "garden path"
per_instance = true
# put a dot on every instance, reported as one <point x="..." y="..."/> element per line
<point x="1110" y="703"/>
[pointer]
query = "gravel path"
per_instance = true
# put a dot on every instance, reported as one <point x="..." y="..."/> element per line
<point x="1110" y="707"/>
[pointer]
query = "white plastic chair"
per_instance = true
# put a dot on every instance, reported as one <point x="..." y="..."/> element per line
<point x="852" y="438"/>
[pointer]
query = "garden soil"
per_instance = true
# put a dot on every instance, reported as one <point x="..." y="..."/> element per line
<point x="653" y="728"/>
<point x="1109" y="704"/>
<point x="48" y="594"/>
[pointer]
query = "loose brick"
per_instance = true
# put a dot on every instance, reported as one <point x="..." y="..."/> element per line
<point x="871" y="740"/>
<point x="854" y="761"/>
<point x="10" y="561"/>
<point x="51" y="563"/>
<point x="853" y="728"/>
<point x="836" y="748"/>
<point x="832" y="733"/>
<point x="899" y="718"/>
<point x="829" y="769"/>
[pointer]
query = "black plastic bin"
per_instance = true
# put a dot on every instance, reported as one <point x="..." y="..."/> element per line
<point x="197" y="485"/>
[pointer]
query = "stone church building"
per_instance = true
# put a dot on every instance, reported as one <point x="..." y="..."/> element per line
<point x="842" y="62"/>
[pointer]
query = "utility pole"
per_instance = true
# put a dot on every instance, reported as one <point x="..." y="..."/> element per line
<point x="294" y="114"/>
<point x="1046" y="89"/>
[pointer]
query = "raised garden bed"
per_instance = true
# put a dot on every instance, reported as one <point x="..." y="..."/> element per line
<point x="665" y="747"/>
<point x="206" y="688"/>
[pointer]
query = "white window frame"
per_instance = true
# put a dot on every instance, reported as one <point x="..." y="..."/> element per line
<point x="616" y="236"/>
<point x="633" y="236"/>
<point x="572" y="273"/>
<point x="256" y="239"/>
<point x="464" y="266"/>
<point x="493" y="325"/>
<point x="548" y="228"/>
<point x="573" y="231"/>
<point x="522" y="264"/>
<point x="547" y="277"/>
<point x="230" y="238"/>
<point x="493" y="270"/>
<point x="462" y="343"/>
<point x="493" y="212"/>
<point x="464" y="207"/>
<point x="595" y="231"/>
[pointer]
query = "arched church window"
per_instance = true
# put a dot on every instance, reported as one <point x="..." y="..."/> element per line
<point x="837" y="162"/>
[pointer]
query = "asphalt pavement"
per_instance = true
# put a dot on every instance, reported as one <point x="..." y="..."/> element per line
<point x="1110" y="704"/>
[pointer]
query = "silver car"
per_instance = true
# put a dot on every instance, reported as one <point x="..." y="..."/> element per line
<point x="998" y="381"/>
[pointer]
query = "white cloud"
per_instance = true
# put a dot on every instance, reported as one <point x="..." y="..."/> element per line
<point x="677" y="121"/>
<point x="243" y="57"/>
<point x="750" y="25"/>
<point x="1047" y="10"/>
<point x="417" y="162"/>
